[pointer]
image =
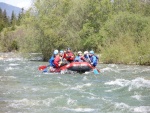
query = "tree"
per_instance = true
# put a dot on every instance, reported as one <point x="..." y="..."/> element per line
<point x="13" y="20"/>
<point x="1" y="20"/>
<point x="89" y="24"/>
<point x="20" y="16"/>
<point x="5" y="19"/>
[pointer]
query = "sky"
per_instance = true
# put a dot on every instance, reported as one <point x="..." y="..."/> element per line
<point x="19" y="3"/>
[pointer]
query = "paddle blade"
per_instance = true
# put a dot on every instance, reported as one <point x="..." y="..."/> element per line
<point x="42" y="67"/>
<point x="95" y="71"/>
<point x="98" y="70"/>
<point x="45" y="70"/>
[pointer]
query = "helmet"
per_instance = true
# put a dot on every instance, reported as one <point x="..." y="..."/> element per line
<point x="61" y="51"/>
<point x="91" y="52"/>
<point x="68" y="48"/>
<point x="55" y="52"/>
<point x="86" y="52"/>
<point x="79" y="52"/>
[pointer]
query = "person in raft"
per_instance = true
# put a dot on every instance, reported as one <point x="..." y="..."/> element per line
<point x="58" y="61"/>
<point x="51" y="60"/>
<point x="79" y="57"/>
<point x="86" y="56"/>
<point x="69" y="56"/>
<point x="63" y="61"/>
<point x="93" y="59"/>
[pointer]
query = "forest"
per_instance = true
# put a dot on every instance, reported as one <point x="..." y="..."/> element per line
<point x="117" y="30"/>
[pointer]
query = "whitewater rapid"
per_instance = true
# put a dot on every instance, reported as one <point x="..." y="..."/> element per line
<point x="117" y="89"/>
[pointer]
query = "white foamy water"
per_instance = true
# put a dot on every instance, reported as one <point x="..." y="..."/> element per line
<point x="79" y="87"/>
<point x="12" y="64"/>
<point x="30" y="102"/>
<point x="142" y="109"/>
<point x="117" y="89"/>
<point x="11" y="68"/>
<point x="71" y="102"/>
<point x="14" y="59"/>
<point x="7" y="79"/>
<point x="138" y="97"/>
<point x="121" y="106"/>
<point x="110" y="69"/>
<point x="132" y="84"/>
<point x="119" y="82"/>
<point x="134" y="109"/>
<point x="80" y="110"/>
<point x="34" y="89"/>
<point x="146" y="70"/>
<point x="8" y="68"/>
<point x="26" y="102"/>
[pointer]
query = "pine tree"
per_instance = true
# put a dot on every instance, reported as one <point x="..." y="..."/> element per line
<point x="5" y="19"/>
<point x="20" y="16"/>
<point x="1" y="14"/>
<point x="1" y="20"/>
<point x="13" y="20"/>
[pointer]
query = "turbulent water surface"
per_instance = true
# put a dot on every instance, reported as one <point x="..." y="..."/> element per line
<point x="117" y="89"/>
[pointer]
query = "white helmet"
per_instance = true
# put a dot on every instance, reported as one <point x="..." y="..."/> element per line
<point x="79" y="52"/>
<point x="86" y="52"/>
<point x="56" y="52"/>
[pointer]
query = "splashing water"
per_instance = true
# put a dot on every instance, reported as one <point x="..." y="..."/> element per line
<point x="117" y="89"/>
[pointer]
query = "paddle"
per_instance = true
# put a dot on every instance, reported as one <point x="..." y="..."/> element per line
<point x="96" y="71"/>
<point x="45" y="70"/>
<point x="42" y="67"/>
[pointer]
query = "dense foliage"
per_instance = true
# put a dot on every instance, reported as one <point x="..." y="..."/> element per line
<point x="8" y="25"/>
<point x="119" y="30"/>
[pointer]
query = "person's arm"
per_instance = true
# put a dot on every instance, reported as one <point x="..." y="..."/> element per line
<point x="83" y="59"/>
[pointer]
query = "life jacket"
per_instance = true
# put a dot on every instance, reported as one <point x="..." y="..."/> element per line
<point x="86" y="56"/>
<point x="69" y="56"/>
<point x="93" y="60"/>
<point x="56" y="61"/>
<point x="51" y="61"/>
<point x="96" y="57"/>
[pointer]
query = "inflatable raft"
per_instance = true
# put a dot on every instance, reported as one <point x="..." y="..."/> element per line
<point x="78" y="67"/>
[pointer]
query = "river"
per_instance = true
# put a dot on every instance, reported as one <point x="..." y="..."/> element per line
<point x="117" y="89"/>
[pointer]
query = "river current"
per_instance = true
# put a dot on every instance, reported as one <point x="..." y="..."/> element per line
<point x="117" y="89"/>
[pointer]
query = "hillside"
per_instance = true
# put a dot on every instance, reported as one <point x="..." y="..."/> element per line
<point x="10" y="8"/>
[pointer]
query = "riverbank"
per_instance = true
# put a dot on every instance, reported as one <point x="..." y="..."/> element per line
<point x="4" y="56"/>
<point x="140" y="61"/>
<point x="29" y="56"/>
<point x="39" y="57"/>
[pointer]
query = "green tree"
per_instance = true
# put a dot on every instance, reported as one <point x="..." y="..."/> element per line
<point x="20" y="16"/>
<point x="13" y="20"/>
<point x="5" y="19"/>
<point x="115" y="28"/>
<point x="1" y="20"/>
